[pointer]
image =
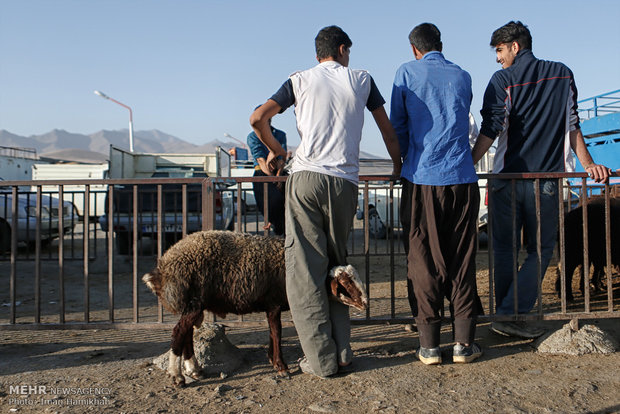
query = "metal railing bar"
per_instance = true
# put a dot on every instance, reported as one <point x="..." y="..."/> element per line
<point x="86" y="254"/>
<point x="111" y="254"/>
<point x="366" y="248"/>
<point x="539" y="271"/>
<point x="610" y="290"/>
<point x="61" y="253"/>
<point x="515" y="246"/>
<point x="134" y="270"/>
<point x="586" y="257"/>
<point x="13" y="276"/>
<point x="562" y="246"/>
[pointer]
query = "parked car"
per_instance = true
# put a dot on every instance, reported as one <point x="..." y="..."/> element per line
<point x="172" y="216"/>
<point x="27" y="217"/>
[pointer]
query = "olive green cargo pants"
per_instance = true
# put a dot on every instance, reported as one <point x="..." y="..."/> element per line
<point x="319" y="216"/>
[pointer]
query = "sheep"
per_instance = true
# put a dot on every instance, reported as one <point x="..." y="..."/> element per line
<point x="573" y="230"/>
<point x="229" y="272"/>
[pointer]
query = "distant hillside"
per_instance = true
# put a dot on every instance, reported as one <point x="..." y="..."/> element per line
<point x="61" y="144"/>
<point x="58" y="139"/>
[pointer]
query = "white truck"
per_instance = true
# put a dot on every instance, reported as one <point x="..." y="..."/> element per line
<point x="130" y="165"/>
<point x="75" y="193"/>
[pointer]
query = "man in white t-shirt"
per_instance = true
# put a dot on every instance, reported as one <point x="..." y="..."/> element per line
<point x="321" y="192"/>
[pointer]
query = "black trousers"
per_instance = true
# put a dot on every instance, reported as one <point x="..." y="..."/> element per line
<point x="442" y="258"/>
<point x="405" y="221"/>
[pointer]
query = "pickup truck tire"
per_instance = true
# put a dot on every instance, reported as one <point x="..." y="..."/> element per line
<point x="5" y="237"/>
<point x="32" y="244"/>
<point x="123" y="242"/>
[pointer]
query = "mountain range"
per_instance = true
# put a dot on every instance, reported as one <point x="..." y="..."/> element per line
<point x="63" y="145"/>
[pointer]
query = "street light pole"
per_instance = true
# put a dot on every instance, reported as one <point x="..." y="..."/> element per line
<point x="226" y="134"/>
<point x="103" y="95"/>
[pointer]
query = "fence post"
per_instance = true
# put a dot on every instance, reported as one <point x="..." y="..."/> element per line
<point x="208" y="220"/>
<point x="208" y="204"/>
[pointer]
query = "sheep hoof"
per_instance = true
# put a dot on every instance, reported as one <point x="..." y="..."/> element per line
<point x="178" y="381"/>
<point x="284" y="374"/>
<point x="196" y="375"/>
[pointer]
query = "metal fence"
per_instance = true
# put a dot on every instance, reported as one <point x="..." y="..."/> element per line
<point x="64" y="271"/>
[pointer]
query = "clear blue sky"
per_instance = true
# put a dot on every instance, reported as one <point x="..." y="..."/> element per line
<point x="196" y="69"/>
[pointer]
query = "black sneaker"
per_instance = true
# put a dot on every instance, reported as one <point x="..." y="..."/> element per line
<point x="518" y="329"/>
<point x="465" y="354"/>
<point x="429" y="356"/>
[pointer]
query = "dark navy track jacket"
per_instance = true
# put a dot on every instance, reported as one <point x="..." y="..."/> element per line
<point x="531" y="107"/>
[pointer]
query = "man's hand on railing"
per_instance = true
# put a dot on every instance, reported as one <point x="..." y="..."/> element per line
<point x="598" y="172"/>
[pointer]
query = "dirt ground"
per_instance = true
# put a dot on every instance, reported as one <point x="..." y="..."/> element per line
<point x="116" y="368"/>
<point x="74" y="371"/>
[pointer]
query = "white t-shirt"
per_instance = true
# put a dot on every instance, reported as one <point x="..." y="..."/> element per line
<point x="329" y="107"/>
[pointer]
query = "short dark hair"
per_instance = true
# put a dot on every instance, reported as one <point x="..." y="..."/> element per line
<point x="512" y="32"/>
<point x="328" y="40"/>
<point x="426" y="37"/>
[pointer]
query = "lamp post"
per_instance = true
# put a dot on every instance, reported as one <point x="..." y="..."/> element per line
<point x="103" y="95"/>
<point x="243" y="145"/>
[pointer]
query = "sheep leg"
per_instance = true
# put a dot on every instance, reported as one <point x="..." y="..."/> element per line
<point x="597" y="276"/>
<point x="190" y="364"/>
<point x="570" y="269"/>
<point x="192" y="368"/>
<point x="568" y="285"/>
<point x="181" y="334"/>
<point x="275" y="342"/>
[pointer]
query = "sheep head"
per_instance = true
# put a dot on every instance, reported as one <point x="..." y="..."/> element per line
<point x="345" y="285"/>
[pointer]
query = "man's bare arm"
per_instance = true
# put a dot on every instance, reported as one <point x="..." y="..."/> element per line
<point x="389" y="138"/>
<point x="260" y="124"/>
<point x="598" y="172"/>
<point x="482" y="145"/>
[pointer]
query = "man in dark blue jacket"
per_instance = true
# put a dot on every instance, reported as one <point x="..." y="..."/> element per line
<point x="530" y="107"/>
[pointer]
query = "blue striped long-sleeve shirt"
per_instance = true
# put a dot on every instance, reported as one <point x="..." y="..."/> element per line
<point x="430" y="105"/>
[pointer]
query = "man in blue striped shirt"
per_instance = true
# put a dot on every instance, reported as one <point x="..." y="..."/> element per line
<point x="430" y="114"/>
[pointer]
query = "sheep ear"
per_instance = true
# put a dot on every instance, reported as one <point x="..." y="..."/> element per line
<point x="340" y="272"/>
<point x="333" y="284"/>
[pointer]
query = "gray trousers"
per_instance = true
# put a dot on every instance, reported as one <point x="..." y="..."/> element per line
<point x="319" y="216"/>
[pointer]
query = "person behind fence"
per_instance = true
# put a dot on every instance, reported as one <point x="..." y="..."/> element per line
<point x="275" y="191"/>
<point x="530" y="108"/>
<point x="431" y="97"/>
<point x="321" y="192"/>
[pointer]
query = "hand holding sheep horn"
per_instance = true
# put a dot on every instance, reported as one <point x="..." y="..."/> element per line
<point x="227" y="272"/>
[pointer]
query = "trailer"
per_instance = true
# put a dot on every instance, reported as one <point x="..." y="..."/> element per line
<point x="600" y="125"/>
<point x="76" y="192"/>
<point x="124" y="164"/>
<point x="140" y="166"/>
